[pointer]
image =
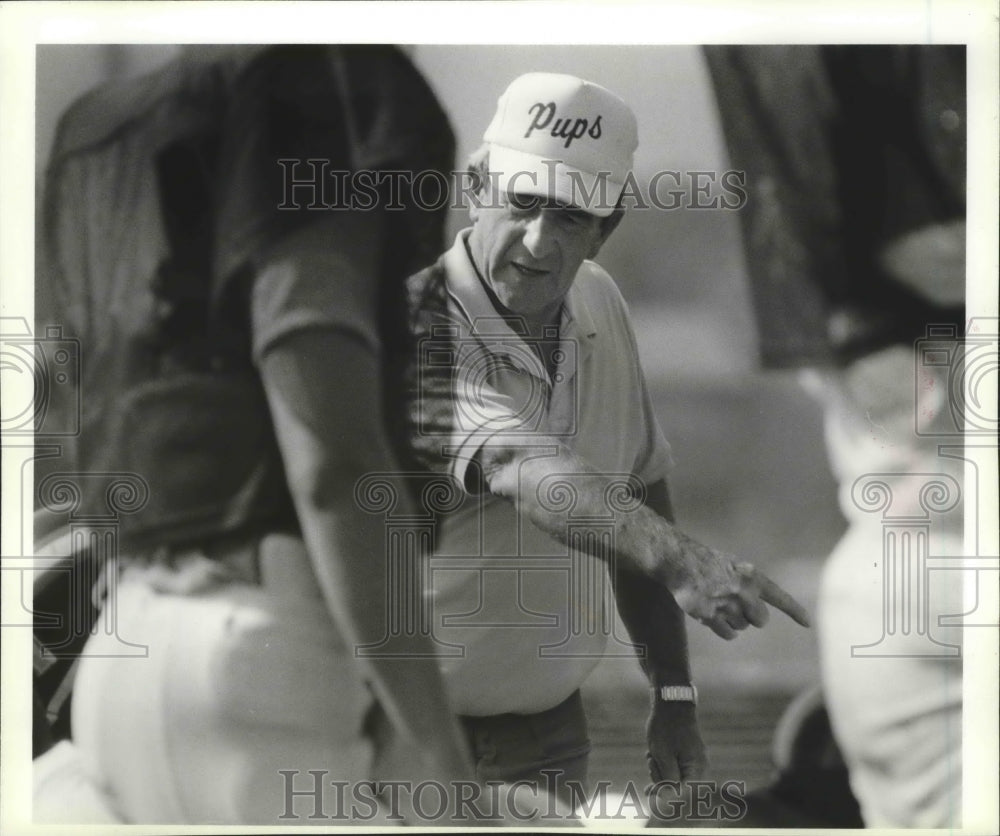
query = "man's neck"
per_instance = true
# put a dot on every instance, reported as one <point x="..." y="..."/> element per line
<point x="528" y="327"/>
<point x="540" y="327"/>
<point x="541" y="334"/>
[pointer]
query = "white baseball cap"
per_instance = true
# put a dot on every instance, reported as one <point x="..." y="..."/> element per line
<point x="564" y="138"/>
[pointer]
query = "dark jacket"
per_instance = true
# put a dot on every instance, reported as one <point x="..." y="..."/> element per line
<point x="162" y="196"/>
<point x="845" y="148"/>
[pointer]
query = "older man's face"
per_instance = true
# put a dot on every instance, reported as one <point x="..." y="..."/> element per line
<point x="528" y="250"/>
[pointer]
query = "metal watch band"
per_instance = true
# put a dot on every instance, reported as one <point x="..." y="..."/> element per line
<point x="679" y="693"/>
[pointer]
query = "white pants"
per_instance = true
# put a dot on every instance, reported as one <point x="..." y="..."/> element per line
<point x="240" y="684"/>
<point x="893" y="691"/>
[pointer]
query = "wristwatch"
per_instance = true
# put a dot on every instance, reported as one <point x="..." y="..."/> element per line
<point x="678" y="693"/>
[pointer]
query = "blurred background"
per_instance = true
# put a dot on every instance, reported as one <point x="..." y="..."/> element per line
<point x="751" y="473"/>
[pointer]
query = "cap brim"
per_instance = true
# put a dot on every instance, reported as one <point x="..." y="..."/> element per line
<point x="524" y="173"/>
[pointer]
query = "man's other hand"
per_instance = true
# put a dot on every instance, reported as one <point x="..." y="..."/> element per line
<point x="675" y="750"/>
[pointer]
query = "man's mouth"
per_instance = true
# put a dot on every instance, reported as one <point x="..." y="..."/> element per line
<point x="527" y="270"/>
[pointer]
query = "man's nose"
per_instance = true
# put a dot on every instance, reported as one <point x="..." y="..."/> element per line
<point x="539" y="235"/>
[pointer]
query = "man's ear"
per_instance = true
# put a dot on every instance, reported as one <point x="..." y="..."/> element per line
<point x="608" y="225"/>
<point x="479" y="199"/>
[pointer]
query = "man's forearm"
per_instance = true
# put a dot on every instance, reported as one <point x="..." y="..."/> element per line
<point x="654" y="621"/>
<point x="656" y="624"/>
<point x="707" y="584"/>
<point x="644" y="541"/>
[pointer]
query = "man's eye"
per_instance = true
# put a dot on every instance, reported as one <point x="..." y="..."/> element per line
<point x="523" y="202"/>
<point x="575" y="219"/>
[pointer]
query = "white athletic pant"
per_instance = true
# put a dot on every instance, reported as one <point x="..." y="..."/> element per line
<point x="241" y="683"/>
<point x="893" y="693"/>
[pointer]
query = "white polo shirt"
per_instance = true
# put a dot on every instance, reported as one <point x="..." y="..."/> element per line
<point x="521" y="619"/>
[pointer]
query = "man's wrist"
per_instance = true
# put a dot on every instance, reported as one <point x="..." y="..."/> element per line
<point x="674" y="556"/>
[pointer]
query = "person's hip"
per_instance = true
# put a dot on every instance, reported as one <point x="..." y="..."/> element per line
<point x="217" y="661"/>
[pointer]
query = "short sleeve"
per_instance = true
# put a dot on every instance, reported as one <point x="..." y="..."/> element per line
<point x="482" y="412"/>
<point x="654" y="460"/>
<point x="318" y="278"/>
<point x="348" y="109"/>
<point x="284" y="104"/>
<point x="453" y="407"/>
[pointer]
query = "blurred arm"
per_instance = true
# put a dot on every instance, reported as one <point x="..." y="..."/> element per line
<point x="323" y="388"/>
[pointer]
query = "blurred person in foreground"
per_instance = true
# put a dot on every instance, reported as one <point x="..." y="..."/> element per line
<point x="855" y="237"/>
<point x="232" y="327"/>
<point x="529" y="396"/>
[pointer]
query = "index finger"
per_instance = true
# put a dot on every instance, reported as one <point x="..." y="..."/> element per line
<point x="778" y="598"/>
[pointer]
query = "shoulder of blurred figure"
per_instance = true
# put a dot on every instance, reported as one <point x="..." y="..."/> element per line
<point x="368" y="76"/>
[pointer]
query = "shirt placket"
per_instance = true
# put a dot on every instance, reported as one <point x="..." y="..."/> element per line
<point x="563" y="405"/>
